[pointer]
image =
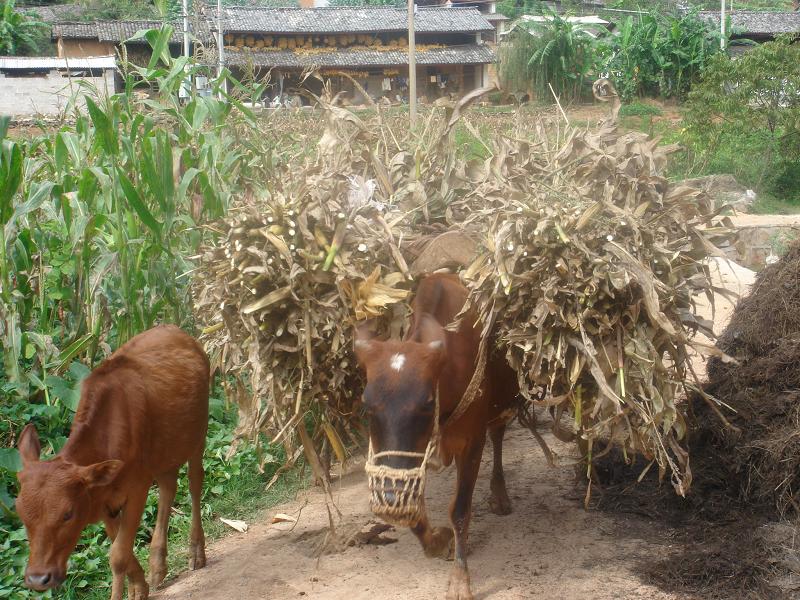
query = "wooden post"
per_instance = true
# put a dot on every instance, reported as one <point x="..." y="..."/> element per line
<point x="412" y="66"/>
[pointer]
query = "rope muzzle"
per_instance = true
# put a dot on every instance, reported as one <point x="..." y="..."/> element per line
<point x="398" y="495"/>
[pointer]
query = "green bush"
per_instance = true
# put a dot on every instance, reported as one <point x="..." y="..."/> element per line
<point x="21" y="34"/>
<point x="660" y="55"/>
<point x="640" y="109"/>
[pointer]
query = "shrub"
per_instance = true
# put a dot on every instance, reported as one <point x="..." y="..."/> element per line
<point x="660" y="55"/>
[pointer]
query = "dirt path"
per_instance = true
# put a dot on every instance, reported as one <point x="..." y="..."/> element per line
<point x="548" y="548"/>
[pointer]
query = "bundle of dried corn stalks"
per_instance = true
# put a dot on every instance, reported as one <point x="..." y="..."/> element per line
<point x="592" y="262"/>
<point x="585" y="279"/>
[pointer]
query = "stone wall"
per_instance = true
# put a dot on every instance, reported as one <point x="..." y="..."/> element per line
<point x="45" y="93"/>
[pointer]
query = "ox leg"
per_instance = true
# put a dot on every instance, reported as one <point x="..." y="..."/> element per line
<point x="467" y="464"/>
<point x="167" y="488"/>
<point x="197" y="552"/>
<point x="499" y="502"/>
<point x="123" y="560"/>
<point x="436" y="541"/>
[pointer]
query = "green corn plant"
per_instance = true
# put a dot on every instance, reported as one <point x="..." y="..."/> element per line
<point x="98" y="218"/>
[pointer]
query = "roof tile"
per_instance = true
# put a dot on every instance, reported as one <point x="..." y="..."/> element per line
<point x="752" y="22"/>
<point x="351" y="20"/>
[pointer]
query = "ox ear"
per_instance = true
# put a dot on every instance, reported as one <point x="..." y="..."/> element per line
<point x="102" y="473"/>
<point x="29" y="446"/>
<point x="364" y="341"/>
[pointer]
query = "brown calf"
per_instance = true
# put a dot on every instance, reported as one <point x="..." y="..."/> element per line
<point x="143" y="413"/>
<point x="403" y="380"/>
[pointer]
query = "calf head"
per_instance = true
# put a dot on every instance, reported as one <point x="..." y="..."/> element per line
<point x="400" y="395"/>
<point x="55" y="504"/>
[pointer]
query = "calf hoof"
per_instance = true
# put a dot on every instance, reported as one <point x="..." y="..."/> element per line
<point x="458" y="588"/>
<point x="500" y="504"/>
<point x="197" y="557"/>
<point x="157" y="575"/>
<point x="442" y="543"/>
<point x="138" y="591"/>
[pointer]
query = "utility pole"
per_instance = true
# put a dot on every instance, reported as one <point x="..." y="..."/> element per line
<point x="722" y="25"/>
<point x="220" y="48"/>
<point x="412" y="65"/>
<point x="186" y="28"/>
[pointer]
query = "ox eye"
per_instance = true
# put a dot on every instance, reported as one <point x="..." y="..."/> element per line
<point x="68" y="515"/>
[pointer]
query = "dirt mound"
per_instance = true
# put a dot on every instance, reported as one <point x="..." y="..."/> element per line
<point x="762" y="455"/>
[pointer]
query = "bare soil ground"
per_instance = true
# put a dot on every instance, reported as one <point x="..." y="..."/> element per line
<point x="549" y="547"/>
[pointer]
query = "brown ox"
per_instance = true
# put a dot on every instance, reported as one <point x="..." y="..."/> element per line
<point x="400" y="397"/>
<point x="143" y="413"/>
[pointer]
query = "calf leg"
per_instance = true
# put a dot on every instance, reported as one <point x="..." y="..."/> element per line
<point x="436" y="541"/>
<point x="499" y="502"/>
<point x="467" y="464"/>
<point x="123" y="560"/>
<point x="197" y="551"/>
<point x="167" y="487"/>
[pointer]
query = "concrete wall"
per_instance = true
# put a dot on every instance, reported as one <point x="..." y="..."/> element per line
<point x="84" y="48"/>
<point x="44" y="93"/>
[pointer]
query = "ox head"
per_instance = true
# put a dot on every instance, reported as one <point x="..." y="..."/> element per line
<point x="400" y="395"/>
<point x="55" y="505"/>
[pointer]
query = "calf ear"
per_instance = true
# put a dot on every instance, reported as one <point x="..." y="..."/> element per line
<point x="102" y="473"/>
<point x="29" y="446"/>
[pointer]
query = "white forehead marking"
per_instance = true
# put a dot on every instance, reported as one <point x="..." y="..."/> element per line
<point x="397" y="362"/>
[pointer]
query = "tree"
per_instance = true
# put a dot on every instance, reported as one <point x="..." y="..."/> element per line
<point x="20" y="34"/>
<point x="755" y="94"/>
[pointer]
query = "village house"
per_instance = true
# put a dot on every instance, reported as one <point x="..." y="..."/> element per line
<point x="369" y="45"/>
<point x="758" y="26"/>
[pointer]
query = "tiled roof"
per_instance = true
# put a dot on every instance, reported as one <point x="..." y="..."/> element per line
<point x="351" y="20"/>
<point x="469" y="54"/>
<point x="76" y="31"/>
<point x="751" y="22"/>
<point x="119" y="31"/>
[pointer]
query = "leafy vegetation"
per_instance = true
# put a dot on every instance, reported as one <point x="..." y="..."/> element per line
<point x="653" y="55"/>
<point x="746" y="111"/>
<point x="20" y="33"/>
<point x="660" y="55"/>
<point x="555" y="52"/>
<point x="97" y="221"/>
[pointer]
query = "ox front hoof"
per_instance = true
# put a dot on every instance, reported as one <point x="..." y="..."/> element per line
<point x="500" y="504"/>
<point x="442" y="543"/>
<point x="458" y="588"/>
